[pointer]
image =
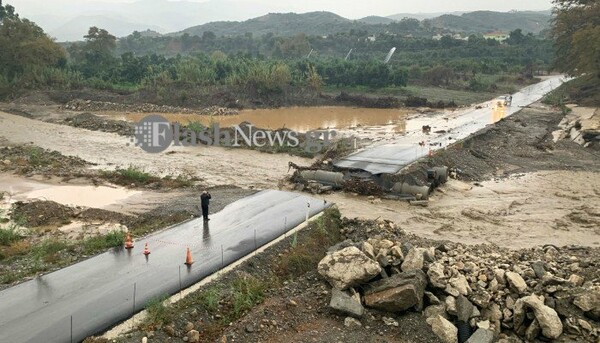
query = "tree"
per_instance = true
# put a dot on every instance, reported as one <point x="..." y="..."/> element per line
<point x="96" y="56"/>
<point x="25" y="47"/>
<point x="7" y="12"/>
<point x="576" y="30"/>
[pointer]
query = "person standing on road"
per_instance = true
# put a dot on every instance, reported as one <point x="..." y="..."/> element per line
<point x="204" y="200"/>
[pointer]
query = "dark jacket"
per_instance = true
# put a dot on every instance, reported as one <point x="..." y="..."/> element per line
<point x="204" y="199"/>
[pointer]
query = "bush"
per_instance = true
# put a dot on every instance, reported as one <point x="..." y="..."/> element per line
<point x="134" y="175"/>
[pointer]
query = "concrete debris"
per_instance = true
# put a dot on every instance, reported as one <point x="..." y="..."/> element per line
<point x="481" y="336"/>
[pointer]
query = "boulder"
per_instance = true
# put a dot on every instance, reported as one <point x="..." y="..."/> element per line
<point x="346" y="304"/>
<point x="348" y="267"/>
<point x="397" y="293"/>
<point x="516" y="282"/>
<point x="413" y="260"/>
<point x="546" y="317"/>
<point x="481" y="336"/>
<point x="446" y="331"/>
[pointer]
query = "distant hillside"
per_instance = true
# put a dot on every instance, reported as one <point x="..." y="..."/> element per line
<point x="283" y="24"/>
<point x="484" y="21"/>
<point x="75" y="29"/>
<point x="374" y="20"/>
<point x="326" y="23"/>
<point x="419" y="16"/>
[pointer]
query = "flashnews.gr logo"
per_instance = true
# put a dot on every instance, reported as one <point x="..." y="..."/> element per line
<point x="155" y="134"/>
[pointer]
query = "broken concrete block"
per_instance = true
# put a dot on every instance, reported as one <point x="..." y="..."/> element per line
<point x="482" y="336"/>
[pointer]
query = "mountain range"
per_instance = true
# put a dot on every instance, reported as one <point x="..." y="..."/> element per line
<point x="179" y="17"/>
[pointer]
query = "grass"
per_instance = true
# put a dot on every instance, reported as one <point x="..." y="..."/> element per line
<point x="96" y="244"/>
<point x="158" y="313"/>
<point x="9" y="235"/>
<point x="48" y="251"/>
<point x="247" y="292"/>
<point x="134" y="175"/>
<point x="138" y="177"/>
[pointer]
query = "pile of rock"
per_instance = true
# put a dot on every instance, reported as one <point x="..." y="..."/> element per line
<point x="94" y="106"/>
<point x="461" y="289"/>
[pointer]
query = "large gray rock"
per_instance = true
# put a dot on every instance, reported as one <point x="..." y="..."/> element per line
<point x="482" y="336"/>
<point x="397" y="293"/>
<point x="464" y="308"/>
<point x="446" y="331"/>
<point x="413" y="260"/>
<point x="547" y="317"/>
<point x="348" y="267"/>
<point x="346" y="304"/>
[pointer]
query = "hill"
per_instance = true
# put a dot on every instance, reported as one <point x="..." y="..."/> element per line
<point x="75" y="29"/>
<point x="284" y="24"/>
<point x="485" y="21"/>
<point x="374" y="20"/>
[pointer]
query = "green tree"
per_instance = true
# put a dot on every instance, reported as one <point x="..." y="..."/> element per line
<point x="96" y="56"/>
<point x="25" y="48"/>
<point x="576" y="30"/>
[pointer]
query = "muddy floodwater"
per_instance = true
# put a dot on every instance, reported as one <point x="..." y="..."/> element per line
<point x="295" y="118"/>
<point x="19" y="189"/>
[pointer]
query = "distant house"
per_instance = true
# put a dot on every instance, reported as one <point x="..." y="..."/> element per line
<point x="497" y="35"/>
<point x="371" y="38"/>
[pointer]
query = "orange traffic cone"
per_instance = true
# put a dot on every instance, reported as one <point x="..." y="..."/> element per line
<point x="146" y="250"/>
<point x="128" y="241"/>
<point x="188" y="258"/>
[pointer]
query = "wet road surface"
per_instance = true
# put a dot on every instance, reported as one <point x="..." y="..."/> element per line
<point x="99" y="292"/>
<point x="446" y="129"/>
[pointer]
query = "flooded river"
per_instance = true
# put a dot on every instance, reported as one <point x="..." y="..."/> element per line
<point x="295" y="118"/>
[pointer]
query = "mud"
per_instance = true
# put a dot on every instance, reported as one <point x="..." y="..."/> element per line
<point x="300" y="119"/>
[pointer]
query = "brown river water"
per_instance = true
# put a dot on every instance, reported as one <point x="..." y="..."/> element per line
<point x="294" y="118"/>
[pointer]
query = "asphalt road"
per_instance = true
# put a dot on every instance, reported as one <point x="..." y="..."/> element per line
<point x="99" y="292"/>
<point x="446" y="128"/>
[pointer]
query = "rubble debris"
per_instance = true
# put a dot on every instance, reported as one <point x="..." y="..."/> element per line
<point x="484" y="289"/>
<point x="346" y="304"/>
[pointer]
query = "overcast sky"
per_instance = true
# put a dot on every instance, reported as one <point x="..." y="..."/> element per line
<point x="346" y="8"/>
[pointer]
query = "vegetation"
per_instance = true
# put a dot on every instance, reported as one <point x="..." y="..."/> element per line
<point x="576" y="31"/>
<point x="176" y="69"/>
